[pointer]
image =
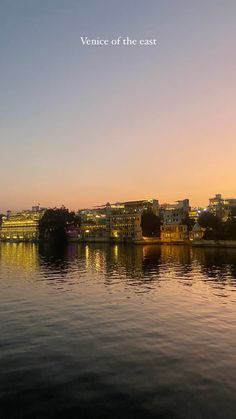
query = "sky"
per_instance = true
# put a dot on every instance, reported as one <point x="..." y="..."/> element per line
<point x="84" y="125"/>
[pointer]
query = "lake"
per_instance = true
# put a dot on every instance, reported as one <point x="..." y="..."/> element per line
<point x="117" y="331"/>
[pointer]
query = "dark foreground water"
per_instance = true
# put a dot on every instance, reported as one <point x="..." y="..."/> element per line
<point x="96" y="331"/>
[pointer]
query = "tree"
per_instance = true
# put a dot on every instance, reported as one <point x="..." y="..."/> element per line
<point x="209" y="220"/>
<point x="189" y="222"/>
<point x="151" y="224"/>
<point x="233" y="212"/>
<point x="55" y="223"/>
<point x="230" y="228"/>
<point x="213" y="225"/>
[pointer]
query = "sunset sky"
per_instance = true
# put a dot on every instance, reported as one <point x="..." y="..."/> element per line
<point x="81" y="126"/>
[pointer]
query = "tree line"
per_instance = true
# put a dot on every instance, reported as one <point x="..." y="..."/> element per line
<point x="216" y="229"/>
<point x="55" y="223"/>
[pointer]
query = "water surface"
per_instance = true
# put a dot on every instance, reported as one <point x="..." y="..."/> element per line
<point x="100" y="331"/>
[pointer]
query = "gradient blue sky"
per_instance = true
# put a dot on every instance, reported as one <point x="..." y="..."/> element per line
<point x="81" y="126"/>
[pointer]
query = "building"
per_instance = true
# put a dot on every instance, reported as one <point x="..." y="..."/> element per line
<point x="174" y="232"/>
<point x="117" y="222"/>
<point x="174" y="213"/>
<point x="132" y="206"/>
<point x="21" y="226"/>
<point x="197" y="232"/>
<point x="140" y="206"/>
<point x="194" y="213"/>
<point x="93" y="232"/>
<point x="93" y="224"/>
<point x="222" y="207"/>
<point x="125" y="226"/>
<point x="216" y="205"/>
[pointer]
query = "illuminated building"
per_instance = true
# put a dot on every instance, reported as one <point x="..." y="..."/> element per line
<point x="114" y="222"/>
<point x="93" y="232"/>
<point x="222" y="207"/>
<point x="140" y="206"/>
<point x="174" y="232"/>
<point x="174" y="213"/>
<point x="93" y="225"/>
<point x="197" y="232"/>
<point x="132" y="206"/>
<point x="125" y="226"/>
<point x="117" y="226"/>
<point x="21" y="226"/>
<point x="216" y="205"/>
<point x="194" y="213"/>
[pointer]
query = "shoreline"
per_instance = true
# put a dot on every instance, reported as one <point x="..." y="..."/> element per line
<point x="146" y="241"/>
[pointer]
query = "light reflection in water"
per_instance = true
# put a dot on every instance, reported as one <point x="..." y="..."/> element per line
<point x="117" y="331"/>
<point x="19" y="255"/>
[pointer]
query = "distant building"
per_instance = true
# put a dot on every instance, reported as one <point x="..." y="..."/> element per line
<point x="174" y="213"/>
<point x="140" y="206"/>
<point x="120" y="221"/>
<point x="125" y="226"/>
<point x="93" y="224"/>
<point x="132" y="206"/>
<point x="21" y="226"/>
<point x="197" y="232"/>
<point x="194" y="213"/>
<point x="174" y="232"/>
<point x="96" y="233"/>
<point x="221" y="206"/>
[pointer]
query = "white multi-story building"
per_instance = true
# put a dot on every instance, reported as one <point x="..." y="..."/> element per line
<point x="174" y="213"/>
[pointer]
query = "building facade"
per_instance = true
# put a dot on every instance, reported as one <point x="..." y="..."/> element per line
<point x="222" y="207"/>
<point x="125" y="226"/>
<point x="194" y="213"/>
<point x="21" y="226"/>
<point x="140" y="206"/>
<point x="117" y="222"/>
<point x="197" y="232"/>
<point x="174" y="213"/>
<point x="174" y="232"/>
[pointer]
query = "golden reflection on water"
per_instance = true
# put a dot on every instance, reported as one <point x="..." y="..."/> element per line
<point x="94" y="257"/>
<point x="21" y="255"/>
<point x="142" y="312"/>
<point x="179" y="254"/>
<point x="129" y="260"/>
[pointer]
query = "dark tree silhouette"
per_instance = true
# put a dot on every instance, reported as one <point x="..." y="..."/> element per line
<point x="151" y="224"/>
<point x="230" y="228"/>
<point x="189" y="222"/>
<point x="233" y="212"/>
<point x="209" y="220"/>
<point x="55" y="223"/>
<point x="213" y="225"/>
